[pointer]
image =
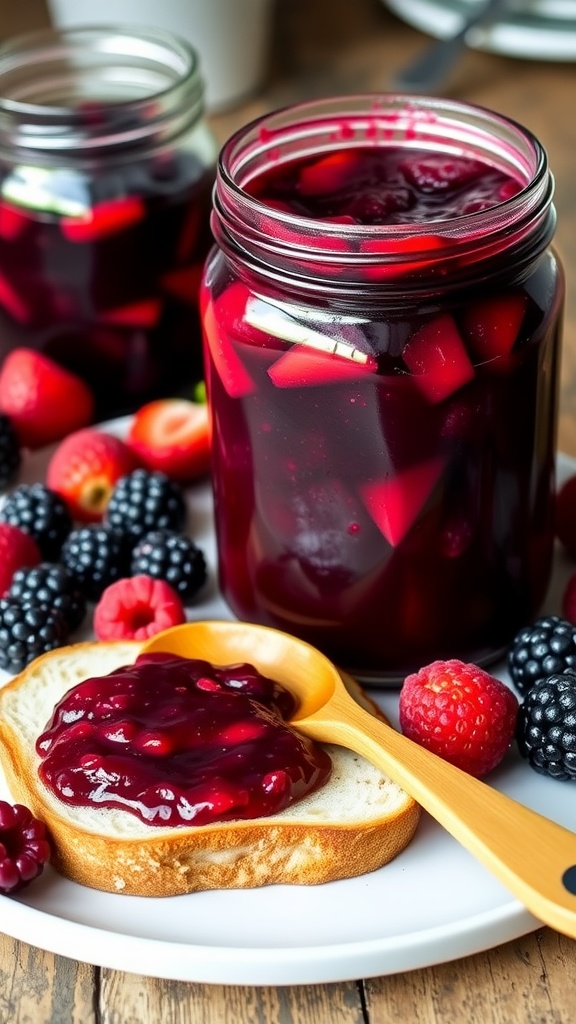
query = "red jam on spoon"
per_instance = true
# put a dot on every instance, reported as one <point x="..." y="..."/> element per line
<point x="177" y="741"/>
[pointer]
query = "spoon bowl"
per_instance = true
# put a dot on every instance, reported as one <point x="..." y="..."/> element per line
<point x="533" y="856"/>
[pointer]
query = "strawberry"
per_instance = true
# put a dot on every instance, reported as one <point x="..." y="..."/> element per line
<point x="220" y="324"/>
<point x="305" y="367"/>
<point x="84" y="469"/>
<point x="172" y="435"/>
<point x="107" y="218"/>
<point x="437" y="358"/>
<point x="43" y="400"/>
<point x="459" y="712"/>
<point x="18" y="550"/>
<point x="329" y="174"/>
<point x="136" y="607"/>
<point x="395" y="502"/>
<point x="492" y="326"/>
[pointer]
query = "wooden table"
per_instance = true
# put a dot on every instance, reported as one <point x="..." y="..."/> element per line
<point x="323" y="47"/>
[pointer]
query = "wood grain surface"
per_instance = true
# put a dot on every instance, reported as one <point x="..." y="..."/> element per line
<point x="323" y="47"/>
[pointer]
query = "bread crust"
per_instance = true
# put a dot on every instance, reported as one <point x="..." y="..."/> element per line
<point x="294" y="847"/>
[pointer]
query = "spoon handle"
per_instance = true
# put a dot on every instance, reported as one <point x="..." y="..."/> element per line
<point x="431" y="67"/>
<point x="534" y="857"/>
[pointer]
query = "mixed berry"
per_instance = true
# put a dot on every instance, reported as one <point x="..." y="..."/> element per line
<point x="461" y="713"/>
<point x="41" y="513"/>
<point x="24" y="847"/>
<point x="546" y="729"/>
<point x="104" y="536"/>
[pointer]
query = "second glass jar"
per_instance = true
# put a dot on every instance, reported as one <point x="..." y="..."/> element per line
<point x="106" y="171"/>
<point x="382" y="317"/>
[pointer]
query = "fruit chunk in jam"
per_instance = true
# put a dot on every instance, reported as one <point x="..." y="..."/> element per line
<point x="397" y="510"/>
<point x="384" y="186"/>
<point x="177" y="741"/>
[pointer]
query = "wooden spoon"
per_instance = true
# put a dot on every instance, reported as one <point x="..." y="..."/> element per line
<point x="534" y="857"/>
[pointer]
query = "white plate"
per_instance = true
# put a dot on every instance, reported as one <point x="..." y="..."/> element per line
<point x="434" y="903"/>
<point x="536" y="29"/>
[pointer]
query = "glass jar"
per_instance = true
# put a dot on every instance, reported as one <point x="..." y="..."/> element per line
<point x="106" y="171"/>
<point x="382" y="316"/>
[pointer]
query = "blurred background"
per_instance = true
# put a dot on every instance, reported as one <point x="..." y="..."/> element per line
<point x="278" y="52"/>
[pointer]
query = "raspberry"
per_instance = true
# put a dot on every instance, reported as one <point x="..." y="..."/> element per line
<point x="40" y="512"/>
<point x="137" y="608"/>
<point x="95" y="556"/>
<point x="566" y="514"/>
<point x="17" y="550"/>
<point x="143" y="501"/>
<point x="171" y="557"/>
<point x="24" y="848"/>
<point x="10" y="454"/>
<point x="52" y="585"/>
<point x="546" y="730"/>
<point x="459" y="712"/>
<point x="548" y="646"/>
<point x="27" y="631"/>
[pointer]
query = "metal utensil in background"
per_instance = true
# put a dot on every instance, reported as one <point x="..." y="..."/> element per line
<point x="432" y="67"/>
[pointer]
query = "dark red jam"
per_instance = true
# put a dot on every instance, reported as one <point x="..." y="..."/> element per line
<point x="383" y="399"/>
<point x="176" y="741"/>
<point x="384" y="186"/>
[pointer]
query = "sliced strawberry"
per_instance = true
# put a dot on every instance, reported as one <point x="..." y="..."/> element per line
<point x="104" y="219"/>
<point x="18" y="550"/>
<point x="492" y="326"/>
<point x="144" y="313"/>
<point x="437" y="358"/>
<point x="230" y="368"/>
<point x="43" y="400"/>
<point x="329" y="174"/>
<point x="184" y="283"/>
<point x="84" y="469"/>
<point x="172" y="435"/>
<point x="305" y="367"/>
<point x="136" y="608"/>
<point x="395" y="503"/>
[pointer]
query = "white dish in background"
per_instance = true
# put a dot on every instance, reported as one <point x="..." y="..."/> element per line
<point x="434" y="903"/>
<point x="534" y="29"/>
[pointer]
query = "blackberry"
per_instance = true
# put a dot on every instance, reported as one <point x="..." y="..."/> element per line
<point x="26" y="631"/>
<point x="143" y="501"/>
<point x="10" y="454"/>
<point x="171" y="557"/>
<point x="546" y="726"/>
<point x="95" y="556"/>
<point x="53" y="585"/>
<point x="546" y="647"/>
<point x="40" y="512"/>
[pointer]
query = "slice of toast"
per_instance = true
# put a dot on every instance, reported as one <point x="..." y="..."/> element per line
<point x="354" y="824"/>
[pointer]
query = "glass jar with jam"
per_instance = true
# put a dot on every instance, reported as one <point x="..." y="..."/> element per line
<point x="106" y="171"/>
<point x="382" y="319"/>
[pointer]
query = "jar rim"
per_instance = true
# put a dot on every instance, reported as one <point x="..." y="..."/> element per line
<point x="50" y="81"/>
<point x="268" y="238"/>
